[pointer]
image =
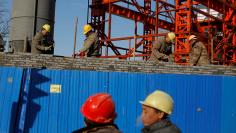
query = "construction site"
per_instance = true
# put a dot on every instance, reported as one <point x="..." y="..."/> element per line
<point x="41" y="92"/>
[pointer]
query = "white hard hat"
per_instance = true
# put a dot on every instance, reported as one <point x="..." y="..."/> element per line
<point x="192" y="37"/>
<point x="159" y="100"/>
<point x="171" y="35"/>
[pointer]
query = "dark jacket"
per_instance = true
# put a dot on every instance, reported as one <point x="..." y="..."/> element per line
<point x="91" y="45"/>
<point x="164" y="126"/>
<point x="161" y="50"/>
<point x="198" y="54"/>
<point x="109" y="128"/>
<point x="39" y="44"/>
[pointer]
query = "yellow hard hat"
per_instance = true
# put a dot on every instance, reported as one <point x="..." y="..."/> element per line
<point x="159" y="100"/>
<point x="47" y="27"/>
<point x="171" y="35"/>
<point x="192" y="37"/>
<point x="87" y="28"/>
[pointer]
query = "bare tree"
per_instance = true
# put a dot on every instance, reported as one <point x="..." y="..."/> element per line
<point x="4" y="28"/>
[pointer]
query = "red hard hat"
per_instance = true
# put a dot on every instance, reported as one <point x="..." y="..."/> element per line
<point x="99" y="108"/>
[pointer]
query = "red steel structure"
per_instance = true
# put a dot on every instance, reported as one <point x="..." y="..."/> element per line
<point x="179" y="16"/>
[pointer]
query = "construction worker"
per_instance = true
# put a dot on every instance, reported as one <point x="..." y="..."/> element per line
<point x="91" y="43"/>
<point x="99" y="114"/>
<point x="162" y="48"/>
<point x="155" y="111"/>
<point x="1" y="44"/>
<point x="40" y="42"/>
<point x="198" y="52"/>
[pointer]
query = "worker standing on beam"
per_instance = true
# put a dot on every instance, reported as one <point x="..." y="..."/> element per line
<point x="40" y="42"/>
<point x="155" y="112"/>
<point x="163" y="48"/>
<point x="91" y="47"/>
<point x="99" y="115"/>
<point x="198" y="52"/>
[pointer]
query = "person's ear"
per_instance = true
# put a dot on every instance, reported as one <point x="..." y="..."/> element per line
<point x="161" y="115"/>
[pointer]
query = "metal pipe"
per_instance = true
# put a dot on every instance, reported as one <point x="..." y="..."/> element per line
<point x="129" y="46"/>
<point x="75" y="36"/>
<point x="35" y="16"/>
<point x="157" y="12"/>
<point x="126" y="49"/>
<point x="88" y="12"/>
<point x="212" y="51"/>
<point x="109" y="26"/>
<point x="25" y="44"/>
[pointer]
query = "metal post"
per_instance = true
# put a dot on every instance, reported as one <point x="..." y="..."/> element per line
<point x="129" y="46"/>
<point x="25" y="44"/>
<point x="157" y="12"/>
<point x="23" y="104"/>
<point x="212" y="51"/>
<point x="88" y="12"/>
<point x="75" y="37"/>
<point x="35" y="17"/>
<point x="135" y="38"/>
<point x="109" y="27"/>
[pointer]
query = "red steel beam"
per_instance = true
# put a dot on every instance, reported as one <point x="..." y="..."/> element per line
<point x="111" y="1"/>
<point x="140" y="17"/>
<point x="132" y="37"/>
<point x="213" y="4"/>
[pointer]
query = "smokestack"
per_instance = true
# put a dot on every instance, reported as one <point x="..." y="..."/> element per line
<point x="28" y="16"/>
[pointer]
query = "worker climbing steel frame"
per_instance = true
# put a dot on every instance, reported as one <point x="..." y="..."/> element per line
<point x="180" y="18"/>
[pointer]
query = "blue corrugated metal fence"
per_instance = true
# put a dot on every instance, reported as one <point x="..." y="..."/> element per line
<point x="202" y="103"/>
<point x="10" y="84"/>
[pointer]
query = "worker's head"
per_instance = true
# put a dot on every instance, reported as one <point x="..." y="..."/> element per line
<point x="46" y="29"/>
<point x="157" y="106"/>
<point x="99" y="108"/>
<point x="170" y="37"/>
<point x="87" y="29"/>
<point x="192" y="38"/>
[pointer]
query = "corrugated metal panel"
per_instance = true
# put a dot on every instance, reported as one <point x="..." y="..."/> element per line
<point x="228" y="109"/>
<point x="127" y="90"/>
<point x="60" y="112"/>
<point x="10" y="81"/>
<point x="199" y="100"/>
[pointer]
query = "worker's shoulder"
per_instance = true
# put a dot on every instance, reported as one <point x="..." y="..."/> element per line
<point x="161" y="39"/>
<point x="158" y="42"/>
<point x="38" y="35"/>
<point x="199" y="44"/>
<point x="93" y="35"/>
